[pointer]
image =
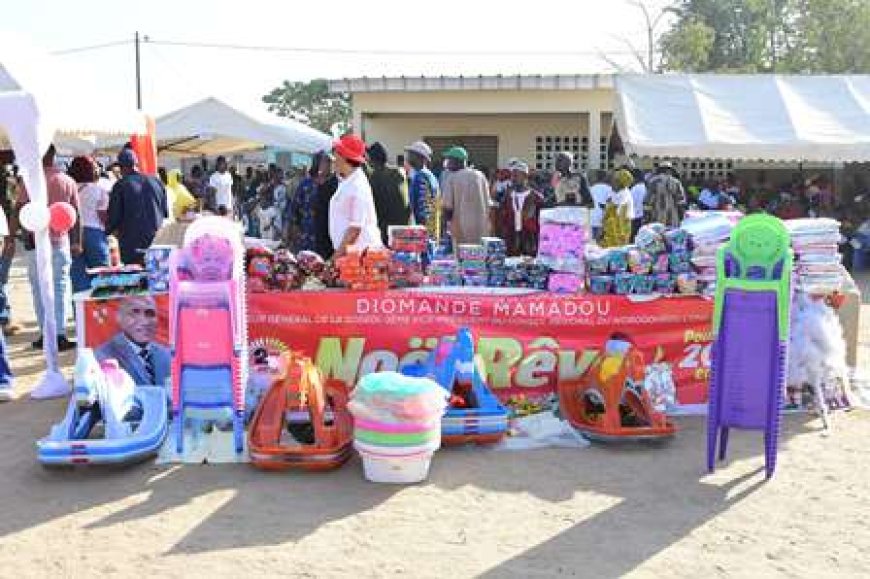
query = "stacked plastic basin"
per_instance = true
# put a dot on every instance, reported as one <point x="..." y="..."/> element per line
<point x="397" y="425"/>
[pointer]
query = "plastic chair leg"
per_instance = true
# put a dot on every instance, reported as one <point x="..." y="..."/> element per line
<point x="712" y="431"/>
<point x="770" y="442"/>
<point x="239" y="431"/>
<point x="723" y="442"/>
<point x="179" y="431"/>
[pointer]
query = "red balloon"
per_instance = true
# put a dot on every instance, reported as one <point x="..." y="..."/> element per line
<point x="62" y="217"/>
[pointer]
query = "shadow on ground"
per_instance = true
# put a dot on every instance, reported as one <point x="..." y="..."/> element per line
<point x="268" y="509"/>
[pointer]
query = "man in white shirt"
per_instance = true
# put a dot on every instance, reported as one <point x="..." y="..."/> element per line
<point x="638" y="196"/>
<point x="353" y="221"/>
<point x="600" y="192"/>
<point x="220" y="185"/>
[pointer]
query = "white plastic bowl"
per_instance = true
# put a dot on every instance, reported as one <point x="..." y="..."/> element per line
<point x="396" y="470"/>
<point x="397" y="451"/>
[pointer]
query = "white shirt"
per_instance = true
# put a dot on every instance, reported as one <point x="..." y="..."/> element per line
<point x="136" y="348"/>
<point x="600" y="192"/>
<point x="622" y="198"/>
<point x="107" y="182"/>
<point x="4" y="226"/>
<point x="92" y="198"/>
<point x="638" y="196"/>
<point x="518" y="198"/>
<point x="353" y="206"/>
<point x="268" y="218"/>
<point x="222" y="183"/>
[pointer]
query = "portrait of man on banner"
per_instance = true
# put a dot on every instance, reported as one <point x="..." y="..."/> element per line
<point x="135" y="345"/>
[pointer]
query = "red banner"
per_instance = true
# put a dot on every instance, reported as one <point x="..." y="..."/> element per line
<point x="528" y="342"/>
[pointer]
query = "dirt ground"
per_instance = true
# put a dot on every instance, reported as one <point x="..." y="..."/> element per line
<point x="597" y="512"/>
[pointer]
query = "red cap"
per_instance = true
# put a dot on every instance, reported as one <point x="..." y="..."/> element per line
<point x="351" y="148"/>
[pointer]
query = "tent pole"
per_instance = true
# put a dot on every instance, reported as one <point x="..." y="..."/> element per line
<point x="138" y="73"/>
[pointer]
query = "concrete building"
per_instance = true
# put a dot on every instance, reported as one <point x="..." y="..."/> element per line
<point x="494" y="117"/>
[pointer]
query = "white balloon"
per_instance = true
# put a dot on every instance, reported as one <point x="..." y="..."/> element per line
<point x="34" y="217"/>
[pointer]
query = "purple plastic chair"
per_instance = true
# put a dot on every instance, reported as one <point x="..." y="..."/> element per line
<point x="751" y="328"/>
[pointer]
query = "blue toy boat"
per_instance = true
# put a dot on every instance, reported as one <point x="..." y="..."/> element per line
<point x="475" y="415"/>
<point x="109" y="420"/>
<point x="68" y="441"/>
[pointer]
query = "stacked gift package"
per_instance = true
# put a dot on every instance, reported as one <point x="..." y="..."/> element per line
<point x="564" y="232"/>
<point x="817" y="257"/>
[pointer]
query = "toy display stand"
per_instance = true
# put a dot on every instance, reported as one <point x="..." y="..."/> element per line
<point x="294" y="427"/>
<point x="751" y="332"/>
<point x="609" y="402"/>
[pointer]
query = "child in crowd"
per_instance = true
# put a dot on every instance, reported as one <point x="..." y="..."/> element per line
<point x="268" y="217"/>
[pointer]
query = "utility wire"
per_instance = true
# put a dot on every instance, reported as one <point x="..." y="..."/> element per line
<point x="345" y="51"/>
<point x="374" y="51"/>
<point x="91" y="47"/>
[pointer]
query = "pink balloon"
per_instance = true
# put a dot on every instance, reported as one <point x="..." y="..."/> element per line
<point x="62" y="217"/>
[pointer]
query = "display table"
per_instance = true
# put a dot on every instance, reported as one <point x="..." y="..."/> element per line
<point x="527" y="340"/>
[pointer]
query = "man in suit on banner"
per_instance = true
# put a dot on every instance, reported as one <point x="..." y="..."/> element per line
<point x="134" y="346"/>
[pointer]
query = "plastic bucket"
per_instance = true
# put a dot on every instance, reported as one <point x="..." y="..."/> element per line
<point x="396" y="470"/>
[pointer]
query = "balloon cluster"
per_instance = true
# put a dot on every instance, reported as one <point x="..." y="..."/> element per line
<point x="59" y="217"/>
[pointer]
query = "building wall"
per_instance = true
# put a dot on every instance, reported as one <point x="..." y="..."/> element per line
<point x="484" y="102"/>
<point x="516" y="133"/>
<point x="516" y="118"/>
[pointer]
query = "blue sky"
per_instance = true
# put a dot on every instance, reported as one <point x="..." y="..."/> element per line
<point x="174" y="76"/>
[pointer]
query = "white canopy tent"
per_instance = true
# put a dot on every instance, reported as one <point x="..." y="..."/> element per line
<point x="78" y="119"/>
<point x="211" y="127"/>
<point x="35" y="109"/>
<point x="752" y="117"/>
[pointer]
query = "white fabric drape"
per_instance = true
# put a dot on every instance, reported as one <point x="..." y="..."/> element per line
<point x="30" y="135"/>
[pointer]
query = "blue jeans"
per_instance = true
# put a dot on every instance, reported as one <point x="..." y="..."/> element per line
<point x="95" y="253"/>
<point x="5" y="310"/>
<point x="5" y="370"/>
<point x="60" y="264"/>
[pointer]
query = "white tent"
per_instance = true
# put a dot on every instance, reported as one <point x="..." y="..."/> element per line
<point x="764" y="117"/>
<point x="77" y="118"/>
<point x="210" y="127"/>
<point x="35" y="109"/>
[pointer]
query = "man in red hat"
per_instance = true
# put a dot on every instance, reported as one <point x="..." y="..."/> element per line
<point x="353" y="221"/>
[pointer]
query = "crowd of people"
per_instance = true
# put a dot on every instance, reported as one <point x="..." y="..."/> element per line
<point x="348" y="198"/>
<point x="116" y="200"/>
<point x="459" y="203"/>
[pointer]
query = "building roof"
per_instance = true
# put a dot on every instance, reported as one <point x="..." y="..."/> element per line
<point x="472" y="83"/>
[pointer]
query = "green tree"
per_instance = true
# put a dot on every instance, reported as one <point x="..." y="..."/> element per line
<point x="688" y="51"/>
<point x="327" y="111"/>
<point x="813" y="36"/>
<point x="725" y="35"/>
<point x="831" y="36"/>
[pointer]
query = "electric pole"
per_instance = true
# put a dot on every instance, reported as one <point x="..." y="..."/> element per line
<point x="138" y="73"/>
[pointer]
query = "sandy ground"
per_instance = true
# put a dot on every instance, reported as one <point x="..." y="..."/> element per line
<point x="597" y="512"/>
